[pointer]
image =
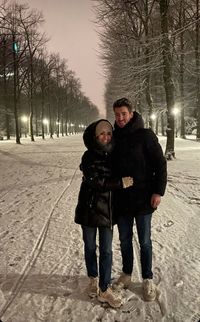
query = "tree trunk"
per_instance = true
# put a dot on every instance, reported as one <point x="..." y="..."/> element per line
<point x="8" y="126"/>
<point x="58" y="118"/>
<point x="31" y="100"/>
<point x="7" y="117"/>
<point x="147" y="61"/>
<point x="50" y="123"/>
<point x="36" y="116"/>
<point x="42" y="114"/>
<point x="167" y="76"/>
<point x="197" y="54"/>
<point x="15" y="64"/>
<point x="162" y="124"/>
<point x="182" y="20"/>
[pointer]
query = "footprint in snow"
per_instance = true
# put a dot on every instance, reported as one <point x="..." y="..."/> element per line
<point x="169" y="223"/>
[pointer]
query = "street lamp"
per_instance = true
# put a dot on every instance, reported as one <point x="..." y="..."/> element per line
<point x="58" y="127"/>
<point x="81" y="127"/>
<point x="153" y="116"/>
<point x="72" y="127"/>
<point x="176" y="111"/>
<point x="152" y="122"/>
<point x="46" y="122"/>
<point x="24" y="119"/>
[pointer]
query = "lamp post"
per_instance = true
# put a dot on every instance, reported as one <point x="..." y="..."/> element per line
<point x="81" y="127"/>
<point x="153" y="118"/>
<point x="24" y="119"/>
<point x="176" y="111"/>
<point x="58" y="124"/>
<point x="46" y="122"/>
<point x="72" y="127"/>
<point x="15" y="70"/>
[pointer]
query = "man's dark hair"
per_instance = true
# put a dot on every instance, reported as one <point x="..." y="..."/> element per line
<point x="123" y="102"/>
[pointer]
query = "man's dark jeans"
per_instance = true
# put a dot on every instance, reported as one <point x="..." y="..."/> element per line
<point x="105" y="254"/>
<point x="125" y="227"/>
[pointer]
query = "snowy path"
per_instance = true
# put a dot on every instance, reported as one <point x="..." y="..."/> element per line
<point x="42" y="271"/>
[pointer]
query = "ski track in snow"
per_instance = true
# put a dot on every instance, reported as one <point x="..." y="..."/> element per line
<point x="36" y="250"/>
<point x="42" y="271"/>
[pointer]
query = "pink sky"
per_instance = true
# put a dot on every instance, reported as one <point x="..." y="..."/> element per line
<point x="69" y="25"/>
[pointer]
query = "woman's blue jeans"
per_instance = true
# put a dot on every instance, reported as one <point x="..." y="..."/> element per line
<point x="105" y="254"/>
<point x="125" y="228"/>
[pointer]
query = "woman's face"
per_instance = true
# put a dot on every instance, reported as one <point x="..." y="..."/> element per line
<point x="104" y="137"/>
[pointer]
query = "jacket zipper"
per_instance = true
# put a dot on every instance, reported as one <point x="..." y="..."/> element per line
<point x="110" y="210"/>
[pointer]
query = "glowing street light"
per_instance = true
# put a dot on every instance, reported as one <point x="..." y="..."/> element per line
<point x="153" y="117"/>
<point x="24" y="119"/>
<point x="72" y="127"/>
<point x="175" y="111"/>
<point x="46" y="122"/>
<point x="58" y="128"/>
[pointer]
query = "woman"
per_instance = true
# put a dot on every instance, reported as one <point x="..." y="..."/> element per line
<point x="94" y="208"/>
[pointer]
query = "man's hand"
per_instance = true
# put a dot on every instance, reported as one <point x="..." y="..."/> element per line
<point x="155" y="200"/>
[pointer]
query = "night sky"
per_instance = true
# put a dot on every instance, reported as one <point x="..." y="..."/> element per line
<point x="69" y="24"/>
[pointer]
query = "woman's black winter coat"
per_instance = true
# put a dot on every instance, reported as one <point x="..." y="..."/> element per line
<point x="138" y="154"/>
<point x="94" y="208"/>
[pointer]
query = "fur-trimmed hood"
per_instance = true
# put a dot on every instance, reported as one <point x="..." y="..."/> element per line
<point x="89" y="135"/>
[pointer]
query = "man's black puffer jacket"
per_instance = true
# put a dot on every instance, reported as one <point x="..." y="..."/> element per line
<point x="94" y="208"/>
<point x="138" y="154"/>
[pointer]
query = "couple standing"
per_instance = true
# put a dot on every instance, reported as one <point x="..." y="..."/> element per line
<point x="124" y="177"/>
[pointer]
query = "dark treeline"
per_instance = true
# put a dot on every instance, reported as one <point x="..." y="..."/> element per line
<point x="39" y="94"/>
<point x="150" y="50"/>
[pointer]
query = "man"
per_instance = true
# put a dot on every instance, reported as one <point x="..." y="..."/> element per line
<point x="137" y="154"/>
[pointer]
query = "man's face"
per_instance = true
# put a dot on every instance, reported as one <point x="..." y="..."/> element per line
<point x="122" y="115"/>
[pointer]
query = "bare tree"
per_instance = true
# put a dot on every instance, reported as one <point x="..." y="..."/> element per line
<point x="130" y="54"/>
<point x="30" y="22"/>
<point x="28" y="76"/>
<point x="21" y="27"/>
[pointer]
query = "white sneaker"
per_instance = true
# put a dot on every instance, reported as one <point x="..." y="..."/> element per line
<point x="124" y="280"/>
<point x="149" y="290"/>
<point x="109" y="297"/>
<point x="92" y="289"/>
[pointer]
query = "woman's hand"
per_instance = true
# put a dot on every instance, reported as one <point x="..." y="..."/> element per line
<point x="127" y="182"/>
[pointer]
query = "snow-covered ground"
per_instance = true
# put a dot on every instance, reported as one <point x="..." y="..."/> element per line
<point x="42" y="271"/>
